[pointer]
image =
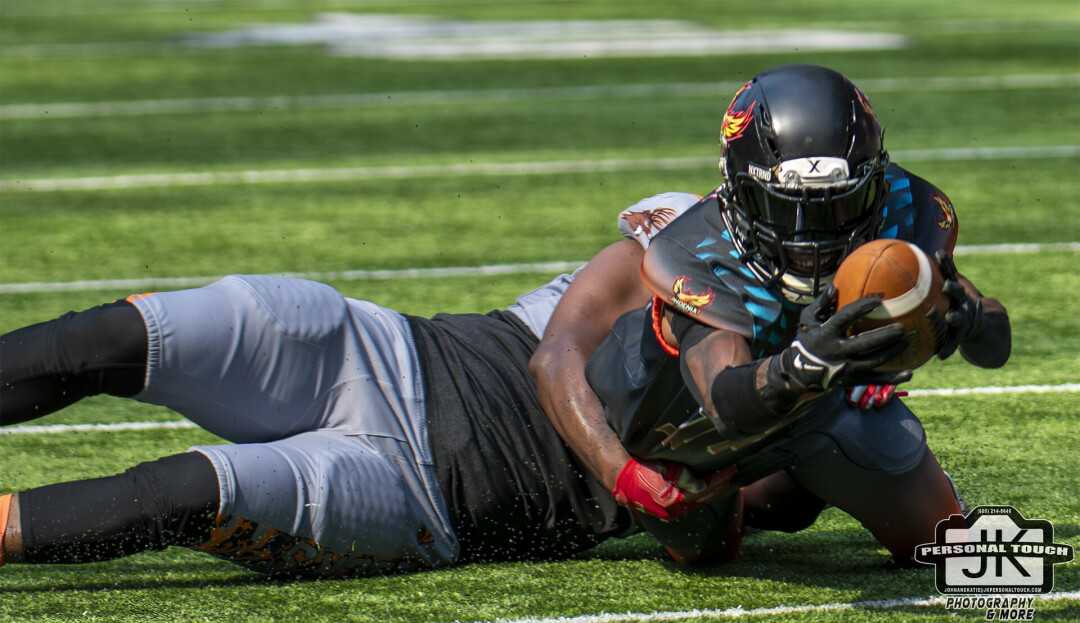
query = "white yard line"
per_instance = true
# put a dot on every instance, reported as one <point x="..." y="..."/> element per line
<point x="61" y="110"/>
<point x="140" y="285"/>
<point x="90" y="428"/>
<point x="736" y="613"/>
<point x="1016" y="247"/>
<point x="476" y="169"/>
<point x="173" y="424"/>
<point x="1005" y="389"/>
<point x="352" y="174"/>
<point x="168" y="283"/>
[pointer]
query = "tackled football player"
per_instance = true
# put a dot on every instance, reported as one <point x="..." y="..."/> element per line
<point x="741" y="358"/>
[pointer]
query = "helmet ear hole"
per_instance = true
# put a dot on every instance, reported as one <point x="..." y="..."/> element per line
<point x="765" y="116"/>
<point x="771" y="144"/>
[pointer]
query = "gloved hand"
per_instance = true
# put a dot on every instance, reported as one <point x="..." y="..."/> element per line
<point x="866" y="396"/>
<point x="823" y="356"/>
<point x="666" y="489"/>
<point x="965" y="312"/>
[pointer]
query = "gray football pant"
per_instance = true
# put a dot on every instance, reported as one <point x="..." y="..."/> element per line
<point x="321" y="396"/>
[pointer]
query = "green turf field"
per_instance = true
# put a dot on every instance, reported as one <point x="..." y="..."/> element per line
<point x="132" y="162"/>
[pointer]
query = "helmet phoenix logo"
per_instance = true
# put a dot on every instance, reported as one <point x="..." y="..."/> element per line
<point x="736" y="121"/>
<point x="864" y="101"/>
<point x="948" y="216"/>
<point x="868" y="108"/>
<point x="685" y="300"/>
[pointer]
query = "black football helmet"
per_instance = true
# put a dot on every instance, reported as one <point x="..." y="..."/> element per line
<point x="801" y="152"/>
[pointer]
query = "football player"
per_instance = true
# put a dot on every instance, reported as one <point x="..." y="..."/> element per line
<point x="362" y="440"/>
<point x="741" y="358"/>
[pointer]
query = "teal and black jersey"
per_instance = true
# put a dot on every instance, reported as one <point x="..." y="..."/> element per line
<point x="693" y="266"/>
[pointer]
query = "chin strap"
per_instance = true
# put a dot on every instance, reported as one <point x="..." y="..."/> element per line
<point x="800" y="290"/>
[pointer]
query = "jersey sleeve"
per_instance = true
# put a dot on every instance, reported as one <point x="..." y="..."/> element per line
<point x="693" y="286"/>
<point x="936" y="226"/>
<point x="643" y="220"/>
<point x="919" y="212"/>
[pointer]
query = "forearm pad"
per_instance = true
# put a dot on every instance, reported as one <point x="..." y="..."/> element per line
<point x="989" y="343"/>
<point x="738" y="402"/>
<point x="783" y="387"/>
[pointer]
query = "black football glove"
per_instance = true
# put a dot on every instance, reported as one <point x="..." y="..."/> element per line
<point x="823" y="356"/>
<point x="965" y="312"/>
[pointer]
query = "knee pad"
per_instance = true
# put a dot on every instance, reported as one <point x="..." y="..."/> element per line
<point x="712" y="533"/>
<point x="301" y="308"/>
<point x="778" y="502"/>
<point x="889" y="438"/>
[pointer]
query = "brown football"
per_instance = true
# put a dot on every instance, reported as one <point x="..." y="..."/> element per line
<point x="909" y="283"/>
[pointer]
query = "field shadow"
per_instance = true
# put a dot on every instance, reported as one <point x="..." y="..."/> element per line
<point x="1066" y="531"/>
<point x="149" y="571"/>
<point x="845" y="558"/>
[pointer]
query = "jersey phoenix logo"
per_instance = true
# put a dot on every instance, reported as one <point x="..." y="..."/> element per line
<point x="948" y="216"/>
<point x="994" y="550"/>
<point x="686" y="301"/>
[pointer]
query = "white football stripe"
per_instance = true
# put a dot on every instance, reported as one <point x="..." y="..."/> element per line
<point x="1018" y="247"/>
<point x="1005" y="389"/>
<point x="173" y="424"/>
<point x="277" y="103"/>
<point x="142" y="285"/>
<point x="92" y="428"/>
<point x="900" y="305"/>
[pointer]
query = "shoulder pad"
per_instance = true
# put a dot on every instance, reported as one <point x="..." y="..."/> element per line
<point x="690" y="284"/>
<point x="936" y="226"/>
<point x="643" y="220"/>
<point x="919" y="212"/>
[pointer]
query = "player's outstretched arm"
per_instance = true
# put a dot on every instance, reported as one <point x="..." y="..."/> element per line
<point x="606" y="288"/>
<point x="750" y="396"/>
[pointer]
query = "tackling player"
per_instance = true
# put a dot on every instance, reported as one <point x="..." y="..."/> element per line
<point x="363" y="440"/>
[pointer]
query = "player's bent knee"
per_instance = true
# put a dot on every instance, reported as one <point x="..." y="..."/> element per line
<point x="301" y="308"/>
<point x="261" y="548"/>
<point x="890" y="439"/>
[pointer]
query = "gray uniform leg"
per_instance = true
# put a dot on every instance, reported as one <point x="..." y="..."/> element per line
<point x="322" y="395"/>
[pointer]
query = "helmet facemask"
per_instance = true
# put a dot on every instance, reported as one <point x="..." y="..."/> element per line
<point x="797" y="230"/>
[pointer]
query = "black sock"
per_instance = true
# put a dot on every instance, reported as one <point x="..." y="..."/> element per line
<point x="170" y="501"/>
<point x="48" y="366"/>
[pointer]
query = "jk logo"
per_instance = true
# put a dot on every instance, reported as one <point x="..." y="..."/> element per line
<point x="994" y="549"/>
